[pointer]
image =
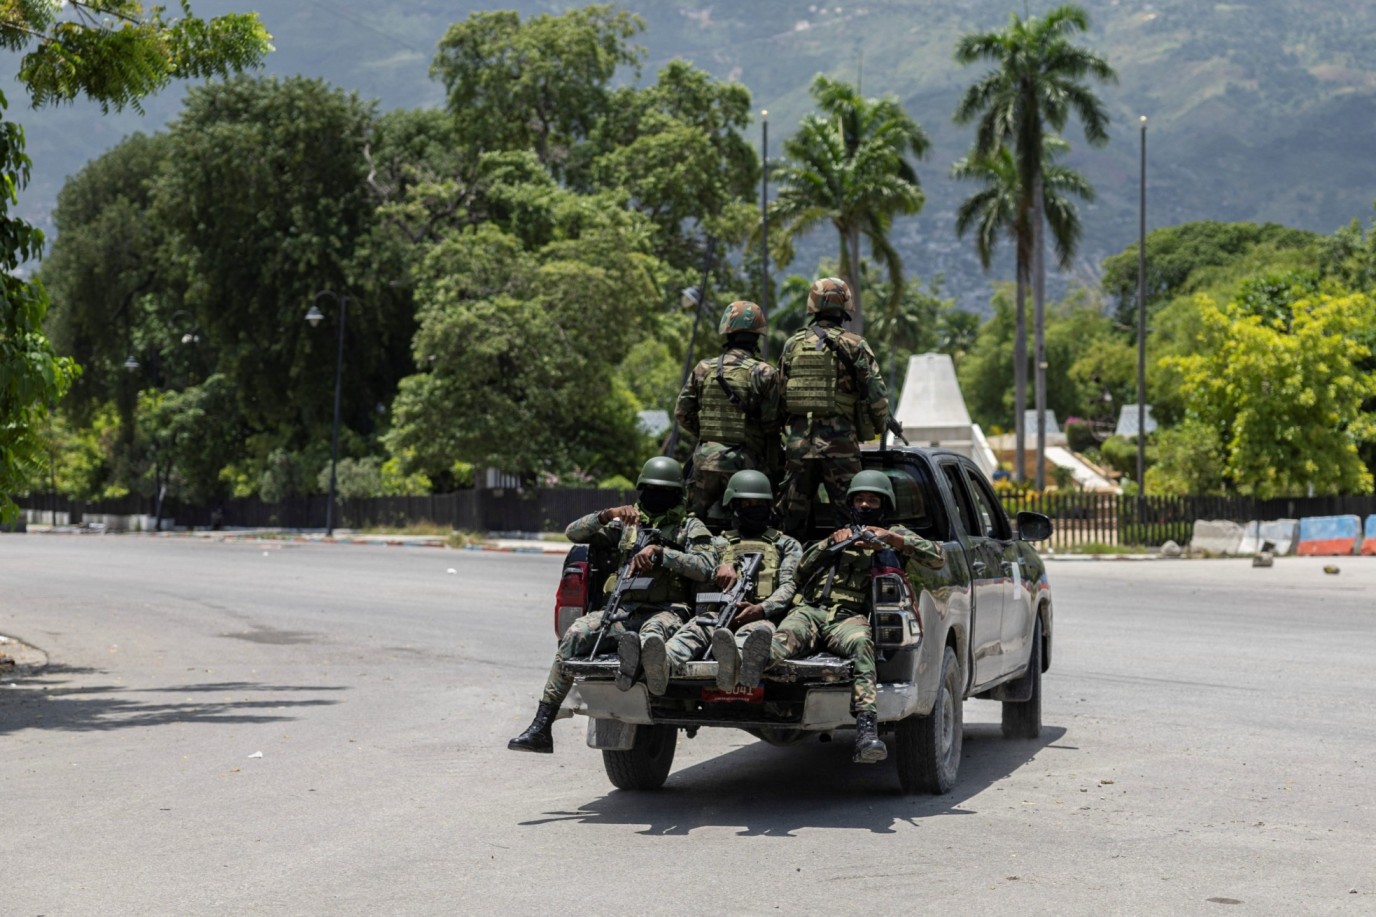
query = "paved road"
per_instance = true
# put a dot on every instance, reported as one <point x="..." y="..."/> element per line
<point x="1210" y="736"/>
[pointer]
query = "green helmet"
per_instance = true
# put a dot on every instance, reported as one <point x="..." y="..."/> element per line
<point x="749" y="485"/>
<point x="660" y="471"/>
<point x="876" y="482"/>
<point x="742" y="316"/>
<point x="830" y="294"/>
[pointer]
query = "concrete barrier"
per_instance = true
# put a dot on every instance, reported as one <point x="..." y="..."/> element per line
<point x="1215" y="536"/>
<point x="1327" y="536"/>
<point x="1283" y="534"/>
<point x="1369" y="539"/>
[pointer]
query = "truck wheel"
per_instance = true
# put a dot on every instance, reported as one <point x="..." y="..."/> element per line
<point x="929" y="746"/>
<point x="646" y="765"/>
<point x="1023" y="719"/>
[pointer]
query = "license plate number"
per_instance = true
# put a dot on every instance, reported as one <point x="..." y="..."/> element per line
<point x="740" y="695"/>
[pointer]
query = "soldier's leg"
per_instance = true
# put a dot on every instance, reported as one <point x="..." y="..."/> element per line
<point x="795" y="503"/>
<point x="577" y="641"/>
<point x="689" y="643"/>
<point x="851" y="638"/>
<point x="646" y="645"/>
<point x="754" y="640"/>
<point x="797" y="634"/>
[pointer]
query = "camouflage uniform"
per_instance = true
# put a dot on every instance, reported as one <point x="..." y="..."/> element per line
<point x="689" y="556"/>
<point x="692" y="640"/>
<point x="840" y="623"/>
<point x="822" y="442"/>
<point x="735" y="432"/>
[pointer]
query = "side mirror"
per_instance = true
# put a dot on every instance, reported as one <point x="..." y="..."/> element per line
<point x="1033" y="527"/>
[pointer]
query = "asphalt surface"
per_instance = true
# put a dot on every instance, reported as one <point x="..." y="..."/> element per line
<point x="269" y="728"/>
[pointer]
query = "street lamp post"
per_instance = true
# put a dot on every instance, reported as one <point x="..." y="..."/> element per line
<point x="1142" y="331"/>
<point x="764" y="220"/>
<point x="314" y="316"/>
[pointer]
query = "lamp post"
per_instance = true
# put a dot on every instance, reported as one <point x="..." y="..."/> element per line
<point x="314" y="316"/>
<point x="1142" y="331"/>
<point x="694" y="298"/>
<point x="764" y="221"/>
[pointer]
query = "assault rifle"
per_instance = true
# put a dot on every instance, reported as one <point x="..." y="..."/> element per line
<point x="738" y="595"/>
<point x="896" y="429"/>
<point x="858" y="533"/>
<point x="625" y="581"/>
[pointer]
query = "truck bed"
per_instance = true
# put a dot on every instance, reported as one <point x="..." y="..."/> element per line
<point x="822" y="668"/>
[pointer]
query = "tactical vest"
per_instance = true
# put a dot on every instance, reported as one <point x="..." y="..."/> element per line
<point x="664" y="586"/>
<point x="850" y="587"/>
<point x="767" y="578"/>
<point x="719" y="419"/>
<point x="812" y="377"/>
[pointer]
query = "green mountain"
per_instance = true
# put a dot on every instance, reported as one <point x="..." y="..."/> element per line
<point x="1263" y="111"/>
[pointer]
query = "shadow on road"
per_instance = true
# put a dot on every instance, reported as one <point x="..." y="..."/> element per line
<point x="773" y="792"/>
<point x="50" y="700"/>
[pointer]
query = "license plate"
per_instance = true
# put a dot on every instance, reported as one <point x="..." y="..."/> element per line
<point x="740" y="695"/>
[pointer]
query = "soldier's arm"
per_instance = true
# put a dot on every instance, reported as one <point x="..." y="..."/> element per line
<point x="874" y="392"/>
<point x="689" y="403"/>
<point x="697" y="560"/>
<point x="781" y="599"/>
<point x="590" y="529"/>
<point x="915" y="547"/>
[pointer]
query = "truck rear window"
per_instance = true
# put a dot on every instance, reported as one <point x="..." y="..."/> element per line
<point x="919" y="504"/>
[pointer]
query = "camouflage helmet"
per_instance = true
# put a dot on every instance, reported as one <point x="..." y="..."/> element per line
<point x="876" y="482"/>
<point x="740" y="316"/>
<point x="830" y="294"/>
<point x="748" y="485"/>
<point x="660" y="471"/>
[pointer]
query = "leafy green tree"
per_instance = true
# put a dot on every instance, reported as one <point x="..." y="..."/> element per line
<point x="113" y="52"/>
<point x="995" y="211"/>
<point x="848" y="166"/>
<point x="541" y="84"/>
<point x="1037" y="82"/>
<point x="1283" y="395"/>
<point x="1196" y="257"/>
<point x="253" y="261"/>
<point x="116" y="52"/>
<point x="523" y="320"/>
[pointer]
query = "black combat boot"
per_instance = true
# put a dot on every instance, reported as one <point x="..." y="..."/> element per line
<point x="868" y="748"/>
<point x="628" y="660"/>
<point x="537" y="737"/>
<point x="728" y="658"/>
<point x="755" y="656"/>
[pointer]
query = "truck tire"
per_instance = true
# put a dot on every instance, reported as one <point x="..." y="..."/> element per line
<point x="928" y="747"/>
<point x="1023" y="719"/>
<point x="646" y="765"/>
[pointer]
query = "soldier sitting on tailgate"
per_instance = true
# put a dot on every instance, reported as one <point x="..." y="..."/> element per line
<point x="834" y="399"/>
<point x="831" y="608"/>
<point x="740" y="655"/>
<point x="731" y="404"/>
<point x="685" y="556"/>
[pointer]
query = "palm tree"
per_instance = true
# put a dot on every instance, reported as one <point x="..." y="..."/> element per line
<point x="1037" y="83"/>
<point x="993" y="212"/>
<point x="848" y="166"/>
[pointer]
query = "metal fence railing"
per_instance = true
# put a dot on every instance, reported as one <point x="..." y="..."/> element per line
<point x="1081" y="520"/>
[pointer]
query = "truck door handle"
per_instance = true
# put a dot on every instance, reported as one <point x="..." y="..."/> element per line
<point x="978" y="566"/>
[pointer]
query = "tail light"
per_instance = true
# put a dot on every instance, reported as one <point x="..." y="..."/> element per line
<point x="896" y="621"/>
<point x="571" y="600"/>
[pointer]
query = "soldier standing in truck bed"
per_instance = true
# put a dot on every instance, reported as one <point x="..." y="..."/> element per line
<point x="731" y="404"/>
<point x="834" y="400"/>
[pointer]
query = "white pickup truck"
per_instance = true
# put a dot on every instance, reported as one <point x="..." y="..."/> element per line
<point x="979" y="627"/>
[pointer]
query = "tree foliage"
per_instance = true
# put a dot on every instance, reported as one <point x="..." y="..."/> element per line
<point x="1282" y="393"/>
<point x="848" y="166"/>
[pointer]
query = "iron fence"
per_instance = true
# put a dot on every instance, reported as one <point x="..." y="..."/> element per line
<point x="1081" y="520"/>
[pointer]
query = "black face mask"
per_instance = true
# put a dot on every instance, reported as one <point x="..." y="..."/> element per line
<point x="658" y="501"/>
<point x="751" y="520"/>
<point x="867" y="516"/>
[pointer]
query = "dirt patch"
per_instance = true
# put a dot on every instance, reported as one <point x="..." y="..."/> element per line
<point x="18" y="658"/>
